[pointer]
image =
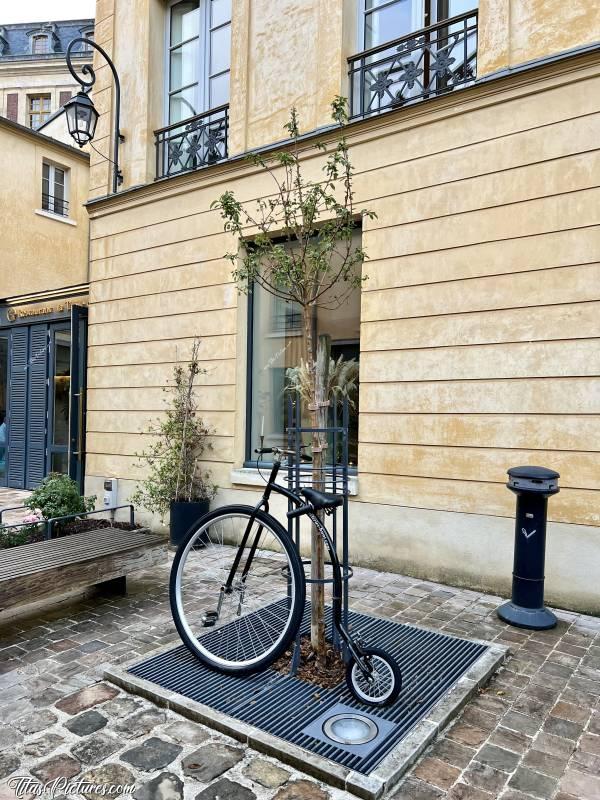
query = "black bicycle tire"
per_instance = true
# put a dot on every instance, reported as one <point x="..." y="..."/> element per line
<point x="385" y="656"/>
<point x="299" y="578"/>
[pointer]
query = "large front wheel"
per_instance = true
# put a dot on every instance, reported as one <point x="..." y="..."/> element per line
<point x="237" y="590"/>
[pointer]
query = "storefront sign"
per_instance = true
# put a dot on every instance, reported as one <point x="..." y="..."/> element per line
<point x="14" y="313"/>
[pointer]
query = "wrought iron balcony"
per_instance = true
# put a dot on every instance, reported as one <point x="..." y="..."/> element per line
<point x="192" y="143"/>
<point x="427" y="63"/>
<point x="57" y="205"/>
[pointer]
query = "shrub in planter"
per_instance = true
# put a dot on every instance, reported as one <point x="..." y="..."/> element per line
<point x="13" y="536"/>
<point x="176" y="483"/>
<point x="58" y="495"/>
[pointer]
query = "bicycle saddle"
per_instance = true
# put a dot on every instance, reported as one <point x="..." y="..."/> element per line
<point x="321" y="500"/>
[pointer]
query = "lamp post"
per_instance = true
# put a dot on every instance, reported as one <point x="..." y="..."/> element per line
<point x="81" y="113"/>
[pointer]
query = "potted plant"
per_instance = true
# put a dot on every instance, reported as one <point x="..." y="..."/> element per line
<point x="176" y="483"/>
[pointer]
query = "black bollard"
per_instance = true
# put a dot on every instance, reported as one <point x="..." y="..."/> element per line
<point x="533" y="486"/>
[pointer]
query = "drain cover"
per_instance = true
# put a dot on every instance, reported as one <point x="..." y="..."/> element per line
<point x="349" y="729"/>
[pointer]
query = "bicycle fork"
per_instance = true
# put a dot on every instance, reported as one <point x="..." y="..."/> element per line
<point x="210" y="618"/>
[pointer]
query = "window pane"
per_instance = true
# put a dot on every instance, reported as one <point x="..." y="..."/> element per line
<point x="184" y="65"/>
<point x="219" y="90"/>
<point x="45" y="103"/>
<point x="183" y="104"/>
<point x="389" y="23"/>
<point x="277" y="348"/>
<point x="184" y="21"/>
<point x="61" y="387"/>
<point x="220" y="49"/>
<point x="46" y="186"/>
<point x="3" y="407"/>
<point x="220" y="12"/>
<point x="34" y="103"/>
<point x="40" y="44"/>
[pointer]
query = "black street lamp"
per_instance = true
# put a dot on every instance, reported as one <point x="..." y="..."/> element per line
<point x="81" y="113"/>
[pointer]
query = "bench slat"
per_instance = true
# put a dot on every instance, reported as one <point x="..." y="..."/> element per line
<point x="55" y="554"/>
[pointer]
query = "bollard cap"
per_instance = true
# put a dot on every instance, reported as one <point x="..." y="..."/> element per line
<point x="538" y="480"/>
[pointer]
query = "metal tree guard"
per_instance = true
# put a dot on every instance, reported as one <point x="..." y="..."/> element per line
<point x="334" y="479"/>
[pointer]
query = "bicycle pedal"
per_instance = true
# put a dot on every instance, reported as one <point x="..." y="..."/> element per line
<point x="209" y="618"/>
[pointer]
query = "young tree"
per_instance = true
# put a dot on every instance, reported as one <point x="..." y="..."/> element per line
<point x="297" y="244"/>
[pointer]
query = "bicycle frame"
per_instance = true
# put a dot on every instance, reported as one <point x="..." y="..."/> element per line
<point x="353" y="646"/>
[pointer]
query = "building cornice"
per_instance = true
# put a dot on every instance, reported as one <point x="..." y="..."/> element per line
<point x="492" y="89"/>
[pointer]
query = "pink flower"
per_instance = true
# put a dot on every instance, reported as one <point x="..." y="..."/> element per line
<point x="31" y="518"/>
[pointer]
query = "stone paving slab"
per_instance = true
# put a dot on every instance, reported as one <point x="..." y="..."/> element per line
<point x="532" y="734"/>
<point x="10" y="498"/>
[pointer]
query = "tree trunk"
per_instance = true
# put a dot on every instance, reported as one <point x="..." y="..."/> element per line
<point x="317" y="562"/>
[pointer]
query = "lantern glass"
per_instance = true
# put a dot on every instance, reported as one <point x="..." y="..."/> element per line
<point x="82" y="118"/>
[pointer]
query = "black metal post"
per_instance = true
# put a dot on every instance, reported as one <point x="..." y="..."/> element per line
<point x="86" y="86"/>
<point x="533" y="486"/>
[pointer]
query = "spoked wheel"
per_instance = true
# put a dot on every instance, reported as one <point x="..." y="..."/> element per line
<point x="244" y="629"/>
<point x="382" y="685"/>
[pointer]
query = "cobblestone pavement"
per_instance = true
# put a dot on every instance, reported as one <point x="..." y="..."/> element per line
<point x="10" y="498"/>
<point x="533" y="733"/>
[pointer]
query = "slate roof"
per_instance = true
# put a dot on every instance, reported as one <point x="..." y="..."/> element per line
<point x="15" y="39"/>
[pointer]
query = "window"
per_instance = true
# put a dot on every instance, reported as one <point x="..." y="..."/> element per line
<point x="86" y="48"/>
<point x="384" y="20"/>
<point x="54" y="189"/>
<point x="39" y="110"/>
<point x="199" y="57"/>
<point x="275" y="346"/>
<point x="40" y="44"/>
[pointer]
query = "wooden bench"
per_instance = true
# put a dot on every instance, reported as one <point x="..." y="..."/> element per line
<point x="103" y="557"/>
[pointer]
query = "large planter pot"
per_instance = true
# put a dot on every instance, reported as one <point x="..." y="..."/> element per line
<point x="182" y="516"/>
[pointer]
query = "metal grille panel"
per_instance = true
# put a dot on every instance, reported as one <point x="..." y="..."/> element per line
<point x="282" y="705"/>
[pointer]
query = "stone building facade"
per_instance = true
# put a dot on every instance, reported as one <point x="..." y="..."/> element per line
<point x="477" y="329"/>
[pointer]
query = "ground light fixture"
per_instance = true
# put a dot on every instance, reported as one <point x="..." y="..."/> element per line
<point x="350" y="728"/>
<point x="82" y="116"/>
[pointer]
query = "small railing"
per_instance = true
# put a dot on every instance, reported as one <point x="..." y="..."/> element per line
<point x="192" y="143"/>
<point x="55" y="204"/>
<point x="427" y="63"/>
<point x="48" y="524"/>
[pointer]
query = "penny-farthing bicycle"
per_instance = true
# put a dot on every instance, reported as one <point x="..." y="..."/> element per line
<point x="238" y="591"/>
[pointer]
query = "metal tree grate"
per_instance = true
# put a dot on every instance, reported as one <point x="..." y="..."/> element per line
<point x="283" y="705"/>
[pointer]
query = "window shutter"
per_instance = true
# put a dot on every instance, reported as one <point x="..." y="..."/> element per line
<point x="63" y="97"/>
<point x="12" y="106"/>
<point x="18" y="409"/>
<point x="38" y="393"/>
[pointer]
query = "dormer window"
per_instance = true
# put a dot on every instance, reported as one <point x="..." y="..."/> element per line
<point x="40" y="44"/>
<point x="3" y="41"/>
<point x="87" y="34"/>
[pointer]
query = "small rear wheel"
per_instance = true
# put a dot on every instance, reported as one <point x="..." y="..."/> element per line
<point x="377" y="685"/>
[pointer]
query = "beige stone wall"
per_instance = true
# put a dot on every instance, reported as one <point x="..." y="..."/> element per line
<point x="479" y="324"/>
<point x="296" y="57"/>
<point x="512" y="32"/>
<point x="40" y="252"/>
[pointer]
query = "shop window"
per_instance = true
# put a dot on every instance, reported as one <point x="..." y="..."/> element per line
<point x="199" y="57"/>
<point x="39" y="110"/>
<point x="55" y="182"/>
<point x="275" y="347"/>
